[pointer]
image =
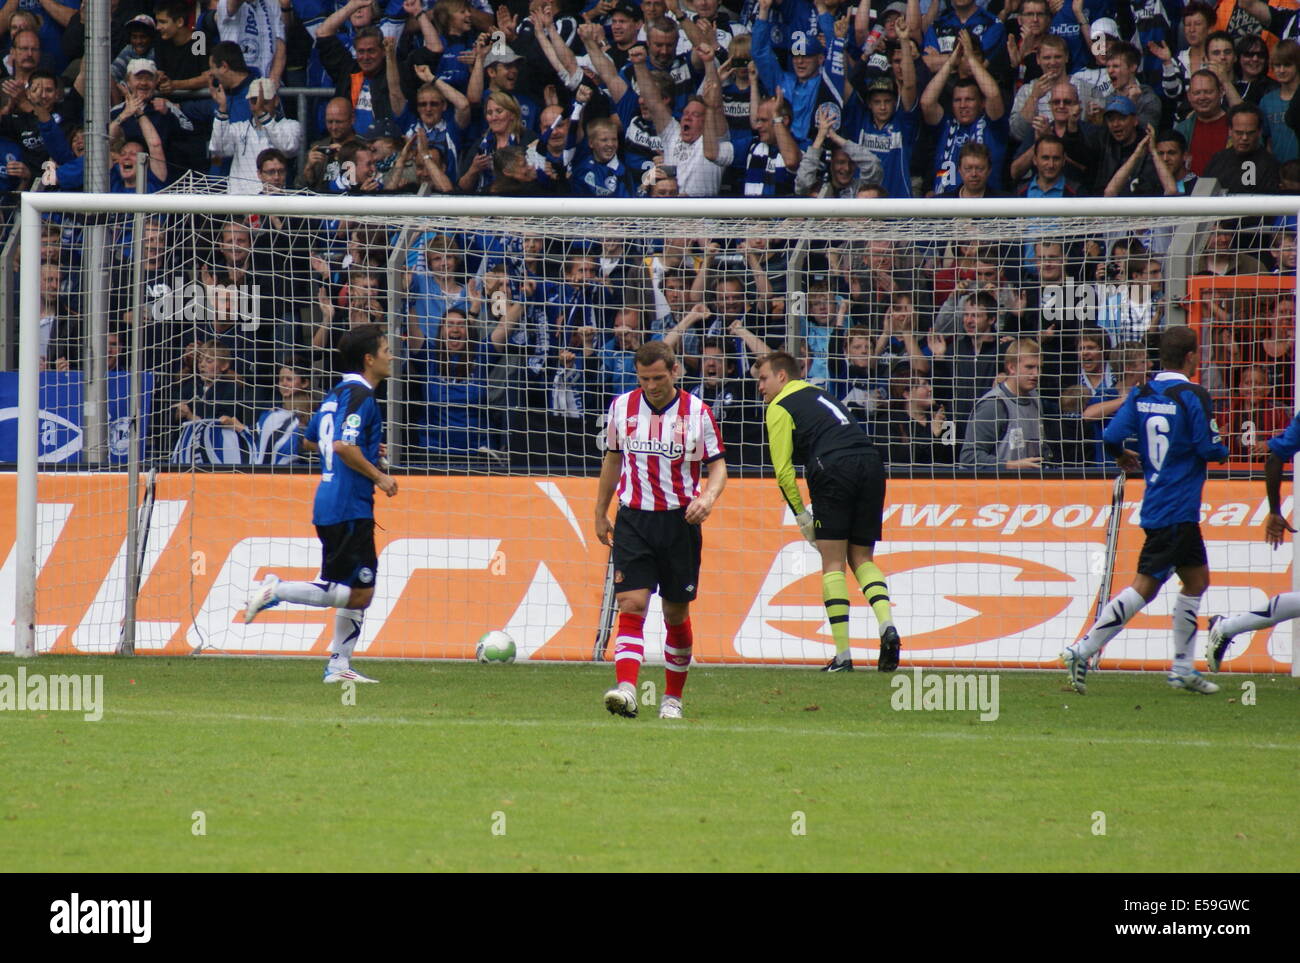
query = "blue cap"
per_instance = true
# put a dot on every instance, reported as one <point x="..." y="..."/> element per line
<point x="805" y="44"/>
<point x="1117" y="104"/>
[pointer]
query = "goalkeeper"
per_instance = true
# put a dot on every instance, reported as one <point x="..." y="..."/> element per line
<point x="846" y="481"/>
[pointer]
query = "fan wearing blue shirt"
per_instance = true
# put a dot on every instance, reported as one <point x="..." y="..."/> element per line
<point x="978" y="114"/>
<point x="1172" y="420"/>
<point x="348" y="432"/>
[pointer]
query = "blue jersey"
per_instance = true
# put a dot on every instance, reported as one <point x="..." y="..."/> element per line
<point x="351" y="415"/>
<point x="1287" y="444"/>
<point x="993" y="134"/>
<point x="1173" y="422"/>
<point x="892" y="143"/>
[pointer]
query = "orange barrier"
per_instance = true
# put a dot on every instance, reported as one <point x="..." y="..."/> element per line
<point x="982" y="572"/>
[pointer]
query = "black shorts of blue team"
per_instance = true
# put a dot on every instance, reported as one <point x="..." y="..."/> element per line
<point x="1172" y="547"/>
<point x="848" y="496"/>
<point x="348" y="552"/>
<point x="659" y="551"/>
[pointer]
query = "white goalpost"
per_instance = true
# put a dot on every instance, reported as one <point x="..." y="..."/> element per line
<point x="494" y="530"/>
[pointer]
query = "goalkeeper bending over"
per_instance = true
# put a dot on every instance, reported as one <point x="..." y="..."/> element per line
<point x="846" y="481"/>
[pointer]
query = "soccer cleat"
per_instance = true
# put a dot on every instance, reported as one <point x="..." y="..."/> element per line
<point x="1076" y="666"/>
<point x="1192" y="681"/>
<point x="345" y="675"/>
<point x="890" y="644"/>
<point x="1218" y="647"/>
<point x="670" y="708"/>
<point x="842" y="662"/>
<point x="621" y="700"/>
<point x="262" y="598"/>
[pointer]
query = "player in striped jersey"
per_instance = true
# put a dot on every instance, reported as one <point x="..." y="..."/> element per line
<point x="1173" y="422"/>
<point x="657" y="440"/>
<point x="846" y="480"/>
<point x="348" y="433"/>
<point x="1282" y="607"/>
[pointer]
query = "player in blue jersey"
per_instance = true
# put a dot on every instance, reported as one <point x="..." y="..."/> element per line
<point x="1173" y="422"/>
<point x="348" y="431"/>
<point x="1282" y="607"/>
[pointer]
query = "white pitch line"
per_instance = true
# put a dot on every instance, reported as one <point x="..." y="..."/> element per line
<point x="993" y="730"/>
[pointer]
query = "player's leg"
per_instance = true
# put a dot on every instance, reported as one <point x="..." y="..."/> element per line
<point x="635" y="577"/>
<point x="679" y="573"/>
<point x="1183" y="674"/>
<point x="1154" y="568"/>
<point x="323" y="594"/>
<point x="351" y="561"/>
<point x="866" y="531"/>
<point x="832" y="494"/>
<point x="1280" y="608"/>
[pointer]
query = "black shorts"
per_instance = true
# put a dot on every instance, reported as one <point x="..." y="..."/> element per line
<point x="659" y="551"/>
<point x="848" y="497"/>
<point x="1170" y="548"/>
<point x="348" y="551"/>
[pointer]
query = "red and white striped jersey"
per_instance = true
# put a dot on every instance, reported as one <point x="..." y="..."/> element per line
<point x="662" y="449"/>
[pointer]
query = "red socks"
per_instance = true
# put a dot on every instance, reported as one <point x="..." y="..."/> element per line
<point x="629" y="649"/>
<point x="677" y="655"/>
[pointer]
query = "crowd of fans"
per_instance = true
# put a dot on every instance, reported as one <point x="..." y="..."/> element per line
<point x="952" y="354"/>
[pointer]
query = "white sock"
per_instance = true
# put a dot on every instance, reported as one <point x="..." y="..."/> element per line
<point x="347" y="633"/>
<point x="1280" y="608"/>
<point x="1185" y="609"/>
<point x="1114" y="616"/>
<point x="323" y="595"/>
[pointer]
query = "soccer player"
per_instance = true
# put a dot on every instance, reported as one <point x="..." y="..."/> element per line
<point x="347" y="430"/>
<point x="1173" y="422"/>
<point x="1282" y="607"/>
<point x="846" y="480"/>
<point x="657" y="439"/>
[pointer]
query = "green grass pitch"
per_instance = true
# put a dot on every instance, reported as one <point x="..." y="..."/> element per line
<point x="449" y="766"/>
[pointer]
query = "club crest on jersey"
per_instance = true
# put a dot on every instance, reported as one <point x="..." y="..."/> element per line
<point x="631" y="423"/>
<point x="366" y="575"/>
<point x="353" y="420"/>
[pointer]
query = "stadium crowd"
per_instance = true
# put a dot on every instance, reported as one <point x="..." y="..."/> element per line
<point x="952" y="354"/>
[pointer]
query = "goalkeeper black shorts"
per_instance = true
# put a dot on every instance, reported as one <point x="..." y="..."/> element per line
<point x="848" y="497"/>
<point x="659" y="551"/>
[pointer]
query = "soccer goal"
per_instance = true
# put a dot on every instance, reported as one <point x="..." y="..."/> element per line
<point x="173" y="345"/>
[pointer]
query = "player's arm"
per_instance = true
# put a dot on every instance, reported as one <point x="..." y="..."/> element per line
<point x="702" y="504"/>
<point x="1123" y="425"/>
<point x="1276" y="524"/>
<point x="780" y="443"/>
<point x="1205" y="433"/>
<point x="609" y="472"/>
<point x="353" y="457"/>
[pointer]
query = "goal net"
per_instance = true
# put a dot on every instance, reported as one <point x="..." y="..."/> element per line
<point x="175" y="344"/>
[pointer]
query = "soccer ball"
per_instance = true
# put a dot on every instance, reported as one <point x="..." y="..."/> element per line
<point x="495" y="647"/>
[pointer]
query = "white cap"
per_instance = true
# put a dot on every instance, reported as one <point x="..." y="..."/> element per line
<point x="1107" y="26"/>
<point x="263" y="87"/>
<point x="141" y="66"/>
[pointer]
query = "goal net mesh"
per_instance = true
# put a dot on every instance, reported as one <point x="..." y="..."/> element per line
<point x="512" y="336"/>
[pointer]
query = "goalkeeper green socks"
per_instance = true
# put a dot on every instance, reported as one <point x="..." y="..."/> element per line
<point x="835" y="596"/>
<point x="872" y="580"/>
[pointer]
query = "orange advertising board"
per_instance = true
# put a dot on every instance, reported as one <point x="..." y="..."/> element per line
<point x="995" y="573"/>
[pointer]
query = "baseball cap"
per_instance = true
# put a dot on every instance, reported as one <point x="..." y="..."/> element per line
<point x="1107" y="26"/>
<point x="1117" y="104"/>
<point x="141" y="66"/>
<point x="142" y="22"/>
<point x="501" y="54"/>
<point x="881" y="83"/>
<point x="899" y="8"/>
<point x="383" y="128"/>
<point x="628" y="9"/>
<point x="805" y="44"/>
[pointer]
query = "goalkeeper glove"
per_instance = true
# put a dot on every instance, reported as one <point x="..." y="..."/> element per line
<point x="806" y="525"/>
